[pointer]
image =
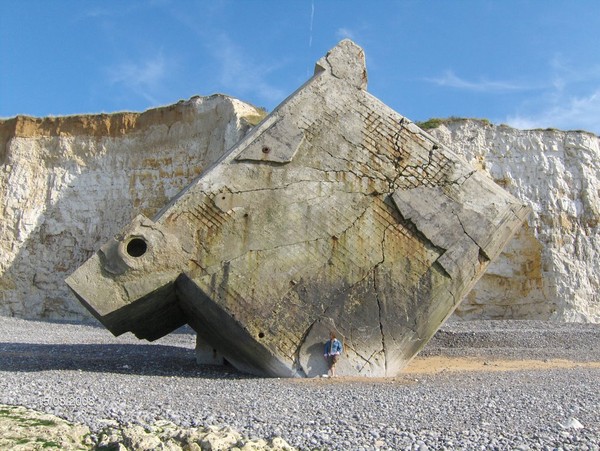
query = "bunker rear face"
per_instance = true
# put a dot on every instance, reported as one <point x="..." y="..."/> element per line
<point x="334" y="213"/>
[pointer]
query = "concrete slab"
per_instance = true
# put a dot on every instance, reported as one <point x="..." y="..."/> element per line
<point x="335" y="212"/>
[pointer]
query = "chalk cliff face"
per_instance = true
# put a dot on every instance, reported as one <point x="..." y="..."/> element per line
<point x="551" y="269"/>
<point x="68" y="184"/>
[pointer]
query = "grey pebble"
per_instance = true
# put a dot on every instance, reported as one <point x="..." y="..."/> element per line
<point x="82" y="373"/>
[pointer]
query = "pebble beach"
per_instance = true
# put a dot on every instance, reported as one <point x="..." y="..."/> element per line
<point x="477" y="385"/>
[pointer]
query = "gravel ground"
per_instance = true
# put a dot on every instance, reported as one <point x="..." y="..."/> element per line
<point x="84" y="374"/>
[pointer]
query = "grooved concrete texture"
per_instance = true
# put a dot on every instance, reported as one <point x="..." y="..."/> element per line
<point x="335" y="213"/>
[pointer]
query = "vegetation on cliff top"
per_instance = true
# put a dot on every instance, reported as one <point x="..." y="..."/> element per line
<point x="254" y="119"/>
<point x="435" y="122"/>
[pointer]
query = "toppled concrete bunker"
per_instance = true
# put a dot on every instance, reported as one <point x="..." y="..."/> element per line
<point x="335" y="212"/>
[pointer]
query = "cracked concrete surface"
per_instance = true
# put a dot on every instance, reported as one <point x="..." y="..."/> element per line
<point x="335" y="213"/>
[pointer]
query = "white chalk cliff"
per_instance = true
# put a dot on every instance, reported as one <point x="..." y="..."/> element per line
<point x="551" y="269"/>
<point x="67" y="184"/>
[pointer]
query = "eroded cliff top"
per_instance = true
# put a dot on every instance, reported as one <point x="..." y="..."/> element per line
<point x="436" y="122"/>
<point x="118" y="123"/>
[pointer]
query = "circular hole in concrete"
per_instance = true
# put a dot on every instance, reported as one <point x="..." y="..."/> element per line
<point x="261" y="335"/>
<point x="137" y="247"/>
<point x="266" y="149"/>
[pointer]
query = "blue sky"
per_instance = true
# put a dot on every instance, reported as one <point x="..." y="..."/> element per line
<point x="529" y="64"/>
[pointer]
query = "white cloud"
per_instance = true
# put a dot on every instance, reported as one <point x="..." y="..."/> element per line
<point x="142" y="77"/>
<point x="95" y="13"/>
<point x="566" y="113"/>
<point x="345" y="33"/>
<point x="570" y="102"/>
<point x="568" y="98"/>
<point x="240" y="74"/>
<point x="453" y="81"/>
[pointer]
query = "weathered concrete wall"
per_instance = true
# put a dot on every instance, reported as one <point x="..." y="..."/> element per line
<point x="67" y="184"/>
<point x="550" y="270"/>
<point x="334" y="213"/>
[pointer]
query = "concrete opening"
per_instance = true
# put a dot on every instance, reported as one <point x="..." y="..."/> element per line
<point x="137" y="247"/>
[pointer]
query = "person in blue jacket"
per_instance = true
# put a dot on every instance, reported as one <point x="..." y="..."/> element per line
<point x="333" y="351"/>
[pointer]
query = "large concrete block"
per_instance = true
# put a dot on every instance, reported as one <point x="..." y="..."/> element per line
<point x="335" y="212"/>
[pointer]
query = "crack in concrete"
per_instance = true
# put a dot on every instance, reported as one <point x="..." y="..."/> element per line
<point x="274" y="248"/>
<point x="360" y="175"/>
<point x="297" y="364"/>
<point x="424" y="165"/>
<point x="460" y="180"/>
<point x="345" y="138"/>
<point x="465" y="230"/>
<point x="439" y="266"/>
<point x="294" y="243"/>
<point x="276" y="188"/>
<point x="380" y="314"/>
<point x="367" y="360"/>
<point x="283" y="187"/>
<point x="393" y="184"/>
<point x="349" y="345"/>
<point x="358" y="218"/>
<point x="481" y="250"/>
<point x="331" y="68"/>
<point x="356" y="174"/>
<point x="415" y="229"/>
<point x="440" y="250"/>
<point x="455" y="301"/>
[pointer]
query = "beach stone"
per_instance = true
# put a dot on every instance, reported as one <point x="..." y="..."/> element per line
<point x="220" y="439"/>
<point x="279" y="444"/>
<point x="25" y="429"/>
<point x="136" y="437"/>
<point x="572" y="423"/>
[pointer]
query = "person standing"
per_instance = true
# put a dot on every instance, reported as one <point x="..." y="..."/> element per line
<point x="333" y="351"/>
